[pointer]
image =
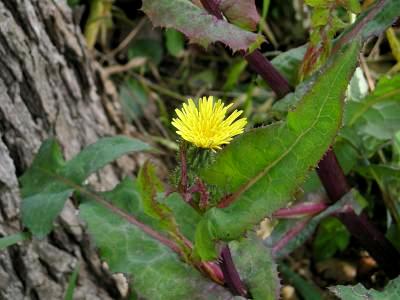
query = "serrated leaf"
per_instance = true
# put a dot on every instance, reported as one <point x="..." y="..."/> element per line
<point x="242" y="13"/>
<point x="256" y="267"/>
<point x="281" y="156"/>
<point x="48" y="183"/>
<point x="359" y="292"/>
<point x="199" y="26"/>
<point x="157" y="272"/>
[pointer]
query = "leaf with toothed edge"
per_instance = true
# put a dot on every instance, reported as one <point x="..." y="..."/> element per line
<point x="359" y="292"/>
<point x="256" y="267"/>
<point x="281" y="157"/>
<point x="199" y="26"/>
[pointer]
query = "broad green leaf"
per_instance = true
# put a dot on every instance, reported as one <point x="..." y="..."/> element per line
<point x="43" y="195"/>
<point x="48" y="183"/>
<point x="99" y="154"/>
<point x="199" y="26"/>
<point x="175" y="42"/>
<point x="157" y="272"/>
<point x="10" y="240"/>
<point x="242" y="13"/>
<point x="185" y="215"/>
<point x="256" y="267"/>
<point x="359" y="292"/>
<point x="281" y="157"/>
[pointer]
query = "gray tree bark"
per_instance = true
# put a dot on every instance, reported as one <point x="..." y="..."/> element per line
<point x="49" y="86"/>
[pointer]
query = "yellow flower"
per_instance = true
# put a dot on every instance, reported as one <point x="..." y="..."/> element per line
<point x="205" y="126"/>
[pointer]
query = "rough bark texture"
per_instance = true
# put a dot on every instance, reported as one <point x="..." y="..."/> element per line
<point x="49" y="86"/>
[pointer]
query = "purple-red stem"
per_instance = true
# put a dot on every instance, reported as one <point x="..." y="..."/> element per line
<point x="331" y="174"/>
<point x="231" y="275"/>
<point x="300" y="210"/>
<point x="183" y="183"/>
<point x="299" y="226"/>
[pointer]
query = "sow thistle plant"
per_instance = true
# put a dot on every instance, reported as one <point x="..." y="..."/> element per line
<point x="196" y="239"/>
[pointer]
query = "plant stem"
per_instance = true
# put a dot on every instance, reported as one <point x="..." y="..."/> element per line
<point x="329" y="170"/>
<point x="301" y="209"/>
<point x="231" y="275"/>
<point x="267" y="71"/>
<point x="256" y="60"/>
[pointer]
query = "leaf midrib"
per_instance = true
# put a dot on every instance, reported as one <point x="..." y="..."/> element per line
<point x="263" y="172"/>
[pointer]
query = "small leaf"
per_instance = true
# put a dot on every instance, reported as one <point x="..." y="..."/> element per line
<point x="288" y="63"/>
<point x="199" y="26"/>
<point x="48" y="183"/>
<point x="175" y="42"/>
<point x="281" y="155"/>
<point x="133" y="98"/>
<point x="332" y="236"/>
<point x="148" y="48"/>
<point x="242" y="13"/>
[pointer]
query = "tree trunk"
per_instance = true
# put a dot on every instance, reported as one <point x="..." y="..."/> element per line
<point x="49" y="86"/>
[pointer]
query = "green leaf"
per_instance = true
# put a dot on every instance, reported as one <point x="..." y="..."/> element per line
<point x="332" y="236"/>
<point x="288" y="63"/>
<point x="234" y="73"/>
<point x="373" y="21"/>
<point x="281" y="155"/>
<point x="48" y="183"/>
<point x="134" y="98"/>
<point x="149" y="48"/>
<point x="13" y="239"/>
<point x="374" y="119"/>
<point x="175" y="42"/>
<point x="69" y="294"/>
<point x="157" y="272"/>
<point x="199" y="26"/>
<point x="306" y="289"/>
<point x="185" y="215"/>
<point x="242" y="13"/>
<point x="256" y="267"/>
<point x="359" y="292"/>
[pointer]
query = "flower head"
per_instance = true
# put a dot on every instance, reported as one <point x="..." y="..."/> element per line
<point x="205" y="125"/>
